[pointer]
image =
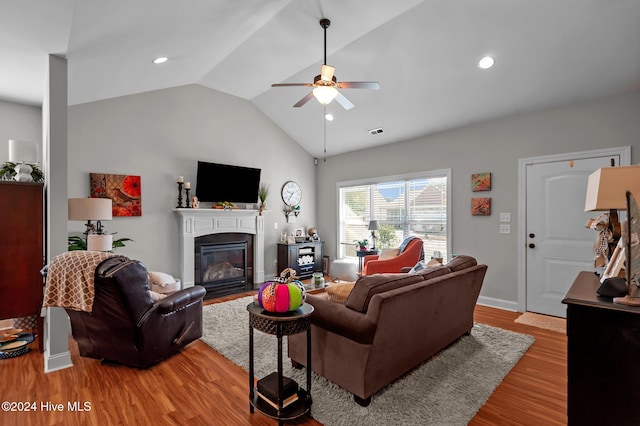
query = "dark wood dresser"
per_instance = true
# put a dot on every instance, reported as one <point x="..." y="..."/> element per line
<point x="603" y="357"/>
<point x="22" y="242"/>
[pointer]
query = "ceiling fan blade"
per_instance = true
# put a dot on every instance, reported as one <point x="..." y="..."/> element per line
<point x="291" y="84"/>
<point x="373" y="85"/>
<point x="304" y="100"/>
<point x="326" y="74"/>
<point x="346" y="103"/>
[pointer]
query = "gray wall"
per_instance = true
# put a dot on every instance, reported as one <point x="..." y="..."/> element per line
<point x="22" y="122"/>
<point x="494" y="146"/>
<point x="160" y="135"/>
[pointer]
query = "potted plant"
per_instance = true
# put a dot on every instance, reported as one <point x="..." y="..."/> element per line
<point x="362" y="244"/>
<point x="263" y="192"/>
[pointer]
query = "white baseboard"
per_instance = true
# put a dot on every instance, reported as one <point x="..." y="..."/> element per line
<point x="57" y="362"/>
<point x="498" y="303"/>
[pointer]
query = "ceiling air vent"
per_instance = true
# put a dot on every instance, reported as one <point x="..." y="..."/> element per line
<point x="377" y="131"/>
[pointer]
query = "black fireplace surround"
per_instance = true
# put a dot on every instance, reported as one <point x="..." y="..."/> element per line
<point x="224" y="263"/>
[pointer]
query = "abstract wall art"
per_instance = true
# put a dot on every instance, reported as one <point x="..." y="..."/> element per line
<point x="481" y="206"/>
<point x="481" y="182"/>
<point x="125" y="192"/>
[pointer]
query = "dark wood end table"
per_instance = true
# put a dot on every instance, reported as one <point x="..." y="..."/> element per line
<point x="361" y="254"/>
<point x="280" y="324"/>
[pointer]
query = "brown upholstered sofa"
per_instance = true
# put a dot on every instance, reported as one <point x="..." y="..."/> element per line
<point x="390" y="324"/>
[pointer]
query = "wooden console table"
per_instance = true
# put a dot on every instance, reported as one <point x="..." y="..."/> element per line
<point x="602" y="357"/>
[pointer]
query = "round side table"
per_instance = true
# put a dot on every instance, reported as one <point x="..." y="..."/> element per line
<point x="280" y="324"/>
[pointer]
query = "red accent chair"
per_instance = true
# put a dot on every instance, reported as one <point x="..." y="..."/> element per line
<point x="409" y="257"/>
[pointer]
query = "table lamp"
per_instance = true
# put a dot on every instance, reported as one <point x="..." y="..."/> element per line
<point x="607" y="190"/>
<point x="89" y="209"/>
<point x="21" y="153"/>
<point x="373" y="227"/>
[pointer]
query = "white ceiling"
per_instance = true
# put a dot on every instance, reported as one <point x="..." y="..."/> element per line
<point x="423" y="53"/>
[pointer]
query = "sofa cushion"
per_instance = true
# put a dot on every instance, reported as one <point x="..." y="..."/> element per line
<point x="388" y="253"/>
<point x="433" y="271"/>
<point x="461" y="262"/>
<point x="339" y="292"/>
<point x="423" y="264"/>
<point x="369" y="285"/>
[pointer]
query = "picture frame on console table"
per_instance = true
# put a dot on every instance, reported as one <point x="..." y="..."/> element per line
<point x="326" y="261"/>
<point x="615" y="263"/>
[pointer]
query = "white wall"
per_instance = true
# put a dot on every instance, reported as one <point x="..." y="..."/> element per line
<point x="21" y="122"/>
<point x="494" y="146"/>
<point x="160" y="135"/>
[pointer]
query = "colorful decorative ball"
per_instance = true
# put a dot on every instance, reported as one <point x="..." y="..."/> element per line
<point x="275" y="296"/>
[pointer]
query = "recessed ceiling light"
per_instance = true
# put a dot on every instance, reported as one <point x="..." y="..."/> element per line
<point x="486" y="62"/>
<point x="329" y="117"/>
<point x="160" y="60"/>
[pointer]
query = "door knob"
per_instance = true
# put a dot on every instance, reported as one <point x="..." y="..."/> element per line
<point x="532" y="235"/>
<point x="532" y="245"/>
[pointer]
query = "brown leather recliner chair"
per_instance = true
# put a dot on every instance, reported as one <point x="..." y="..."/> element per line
<point x="126" y="326"/>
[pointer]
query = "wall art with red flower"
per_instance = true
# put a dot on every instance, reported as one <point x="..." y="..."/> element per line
<point x="124" y="190"/>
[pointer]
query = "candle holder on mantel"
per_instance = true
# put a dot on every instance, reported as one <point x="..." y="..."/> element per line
<point x="188" y="205"/>
<point x="179" y="206"/>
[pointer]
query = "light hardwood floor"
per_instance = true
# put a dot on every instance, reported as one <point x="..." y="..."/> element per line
<point x="200" y="387"/>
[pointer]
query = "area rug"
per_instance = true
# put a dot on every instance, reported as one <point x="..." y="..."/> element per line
<point x="447" y="390"/>
<point x="543" y="321"/>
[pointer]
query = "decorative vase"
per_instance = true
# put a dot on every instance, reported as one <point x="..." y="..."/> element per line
<point x="285" y="293"/>
<point x="261" y="208"/>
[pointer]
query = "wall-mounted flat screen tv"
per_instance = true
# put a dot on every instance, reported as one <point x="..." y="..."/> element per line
<point x="222" y="182"/>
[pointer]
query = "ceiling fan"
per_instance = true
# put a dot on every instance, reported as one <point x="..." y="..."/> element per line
<point x="325" y="86"/>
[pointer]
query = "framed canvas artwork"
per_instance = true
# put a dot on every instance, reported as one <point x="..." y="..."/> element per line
<point x="481" y="206"/>
<point x="125" y="192"/>
<point x="481" y="182"/>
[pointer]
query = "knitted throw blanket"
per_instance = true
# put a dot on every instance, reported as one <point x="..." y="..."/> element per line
<point x="70" y="279"/>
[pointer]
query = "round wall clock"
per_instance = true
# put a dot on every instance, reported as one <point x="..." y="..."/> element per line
<point x="291" y="193"/>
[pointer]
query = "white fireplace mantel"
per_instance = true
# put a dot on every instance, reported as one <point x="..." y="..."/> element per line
<point x="198" y="222"/>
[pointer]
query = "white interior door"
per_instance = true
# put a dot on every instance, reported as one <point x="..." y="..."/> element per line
<point x="558" y="245"/>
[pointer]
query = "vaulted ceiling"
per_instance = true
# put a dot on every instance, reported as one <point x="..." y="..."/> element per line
<point x="424" y="53"/>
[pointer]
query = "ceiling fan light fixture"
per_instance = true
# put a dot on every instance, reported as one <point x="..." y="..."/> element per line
<point x="325" y="94"/>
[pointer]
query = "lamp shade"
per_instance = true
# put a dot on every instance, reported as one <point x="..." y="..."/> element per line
<point x="22" y="151"/>
<point x="373" y="225"/>
<point x="607" y="187"/>
<point x="325" y="94"/>
<point x="90" y="209"/>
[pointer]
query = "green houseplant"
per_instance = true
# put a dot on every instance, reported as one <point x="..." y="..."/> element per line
<point x="263" y="193"/>
<point x="362" y="244"/>
<point x="7" y="172"/>
<point x="79" y="243"/>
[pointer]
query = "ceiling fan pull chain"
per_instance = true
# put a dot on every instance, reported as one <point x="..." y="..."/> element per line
<point x="324" y="124"/>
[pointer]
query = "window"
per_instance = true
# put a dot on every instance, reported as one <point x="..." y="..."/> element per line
<point x="405" y="206"/>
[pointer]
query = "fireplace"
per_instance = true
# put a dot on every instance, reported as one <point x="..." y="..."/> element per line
<point x="224" y="263"/>
<point x="212" y="226"/>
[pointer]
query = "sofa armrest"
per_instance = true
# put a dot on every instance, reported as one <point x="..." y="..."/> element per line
<point x="369" y="258"/>
<point x="339" y="319"/>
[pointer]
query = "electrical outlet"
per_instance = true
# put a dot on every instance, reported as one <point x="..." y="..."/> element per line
<point x="275" y="225"/>
<point x="505" y="228"/>
<point x="505" y="217"/>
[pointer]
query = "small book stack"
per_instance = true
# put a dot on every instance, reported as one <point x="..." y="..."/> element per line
<point x="267" y="389"/>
